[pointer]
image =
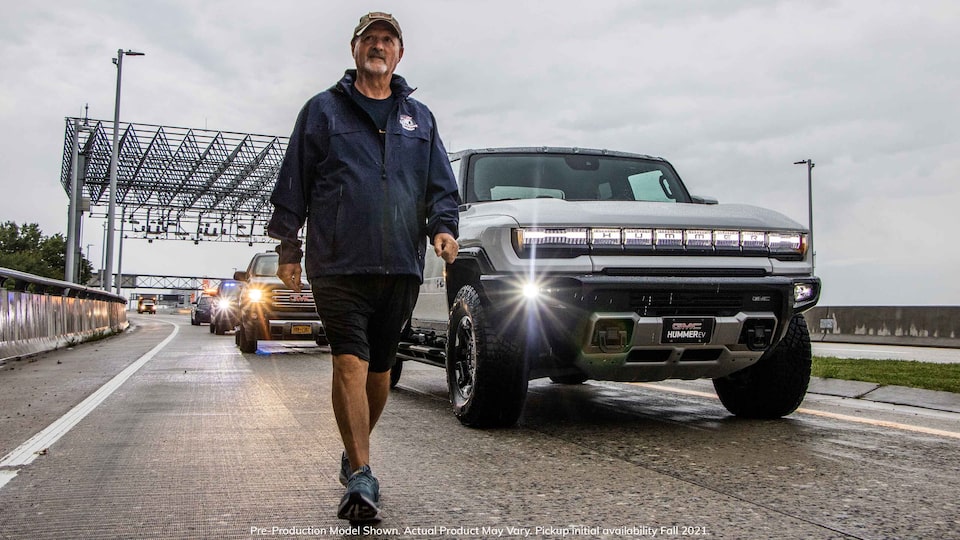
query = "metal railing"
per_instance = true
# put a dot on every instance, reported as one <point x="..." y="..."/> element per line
<point x="39" y="314"/>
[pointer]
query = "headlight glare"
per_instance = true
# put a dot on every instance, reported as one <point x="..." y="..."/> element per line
<point x="531" y="291"/>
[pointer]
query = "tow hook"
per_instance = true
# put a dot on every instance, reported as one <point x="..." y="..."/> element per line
<point x="757" y="334"/>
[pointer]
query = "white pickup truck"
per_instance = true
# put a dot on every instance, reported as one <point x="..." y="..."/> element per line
<point x="583" y="264"/>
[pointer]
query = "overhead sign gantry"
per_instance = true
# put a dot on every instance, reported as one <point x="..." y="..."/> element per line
<point x="176" y="183"/>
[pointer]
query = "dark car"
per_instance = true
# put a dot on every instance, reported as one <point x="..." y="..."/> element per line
<point x="226" y="307"/>
<point x="202" y="310"/>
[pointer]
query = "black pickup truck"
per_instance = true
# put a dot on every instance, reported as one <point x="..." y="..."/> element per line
<point x="269" y="310"/>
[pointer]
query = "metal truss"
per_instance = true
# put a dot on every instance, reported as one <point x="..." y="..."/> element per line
<point x="178" y="183"/>
<point x="170" y="283"/>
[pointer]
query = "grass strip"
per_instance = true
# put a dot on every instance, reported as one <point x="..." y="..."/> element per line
<point x="926" y="375"/>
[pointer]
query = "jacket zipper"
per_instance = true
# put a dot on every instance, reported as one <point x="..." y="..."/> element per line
<point x="386" y="194"/>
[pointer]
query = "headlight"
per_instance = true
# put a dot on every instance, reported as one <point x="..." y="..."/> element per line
<point x="254" y="295"/>
<point x="574" y="241"/>
<point x="223" y="304"/>
<point x="547" y="237"/>
<point x="531" y="291"/>
<point x="785" y="243"/>
<point x="805" y="292"/>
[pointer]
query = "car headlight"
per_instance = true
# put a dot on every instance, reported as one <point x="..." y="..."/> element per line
<point x="805" y="292"/>
<point x="255" y="295"/>
<point x="531" y="291"/>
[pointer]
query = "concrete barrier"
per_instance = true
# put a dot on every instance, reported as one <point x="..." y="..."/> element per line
<point x="926" y="326"/>
<point x="40" y="314"/>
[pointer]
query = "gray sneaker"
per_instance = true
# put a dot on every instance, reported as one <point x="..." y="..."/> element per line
<point x="345" y="470"/>
<point x="361" y="502"/>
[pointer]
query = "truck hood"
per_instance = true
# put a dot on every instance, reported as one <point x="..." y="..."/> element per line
<point x="561" y="213"/>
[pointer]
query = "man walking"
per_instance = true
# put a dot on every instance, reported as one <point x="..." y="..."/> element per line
<point x="366" y="170"/>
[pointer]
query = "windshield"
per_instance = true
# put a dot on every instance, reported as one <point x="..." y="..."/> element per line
<point x="267" y="265"/>
<point x="573" y="177"/>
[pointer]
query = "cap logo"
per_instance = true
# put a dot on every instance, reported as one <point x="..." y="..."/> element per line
<point x="407" y="122"/>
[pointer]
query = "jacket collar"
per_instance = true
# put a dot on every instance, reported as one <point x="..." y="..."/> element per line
<point x="398" y="85"/>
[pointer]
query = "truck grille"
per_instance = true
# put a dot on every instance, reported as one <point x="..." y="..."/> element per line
<point x="288" y="299"/>
<point x="700" y="303"/>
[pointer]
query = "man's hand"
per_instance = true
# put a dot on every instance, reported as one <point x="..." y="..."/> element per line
<point x="289" y="274"/>
<point x="446" y="247"/>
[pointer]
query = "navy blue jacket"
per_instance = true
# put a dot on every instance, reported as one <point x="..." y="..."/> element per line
<point x="370" y="199"/>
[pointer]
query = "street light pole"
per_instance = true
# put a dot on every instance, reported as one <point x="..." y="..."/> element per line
<point x="112" y="206"/>
<point x="123" y="220"/>
<point x="810" y="165"/>
<point x="73" y="229"/>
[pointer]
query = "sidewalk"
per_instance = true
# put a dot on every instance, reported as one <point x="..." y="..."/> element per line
<point x="896" y="395"/>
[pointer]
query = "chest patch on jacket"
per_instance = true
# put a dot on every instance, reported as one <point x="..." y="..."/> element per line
<point x="407" y="122"/>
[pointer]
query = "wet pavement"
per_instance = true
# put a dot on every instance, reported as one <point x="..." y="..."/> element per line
<point x="202" y="441"/>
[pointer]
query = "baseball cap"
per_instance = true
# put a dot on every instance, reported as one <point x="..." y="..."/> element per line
<point x="377" y="16"/>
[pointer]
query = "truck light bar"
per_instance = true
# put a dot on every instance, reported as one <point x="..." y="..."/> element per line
<point x="777" y="243"/>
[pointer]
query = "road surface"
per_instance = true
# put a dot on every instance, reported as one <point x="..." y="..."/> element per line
<point x="200" y="441"/>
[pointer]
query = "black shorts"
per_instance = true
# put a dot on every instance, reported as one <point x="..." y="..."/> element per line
<point x="363" y="315"/>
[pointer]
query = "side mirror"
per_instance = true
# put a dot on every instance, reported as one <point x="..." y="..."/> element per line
<point x="240" y="276"/>
<point x="700" y="199"/>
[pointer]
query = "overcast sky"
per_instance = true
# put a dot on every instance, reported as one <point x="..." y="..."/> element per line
<point x="731" y="92"/>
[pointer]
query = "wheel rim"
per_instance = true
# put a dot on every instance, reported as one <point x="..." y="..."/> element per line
<point x="464" y="360"/>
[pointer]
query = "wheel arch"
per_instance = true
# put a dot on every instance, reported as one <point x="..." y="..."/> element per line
<point x="466" y="270"/>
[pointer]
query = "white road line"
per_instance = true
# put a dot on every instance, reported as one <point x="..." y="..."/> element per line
<point x="28" y="451"/>
<point x="835" y="416"/>
<point x="6" y="476"/>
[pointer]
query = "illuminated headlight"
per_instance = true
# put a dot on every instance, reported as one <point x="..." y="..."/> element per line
<point x="726" y="239"/>
<point x="566" y="237"/>
<point x="223" y="304"/>
<point x="254" y="295"/>
<point x="638" y="237"/>
<point x="803" y="292"/>
<point x="531" y="291"/>
<point x="668" y="238"/>
<point x="786" y="243"/>
<point x="605" y="237"/>
<point x="574" y="241"/>
<point x="698" y="239"/>
<point x="753" y="240"/>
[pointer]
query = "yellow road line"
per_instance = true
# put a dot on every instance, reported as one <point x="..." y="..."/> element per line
<point x="824" y="414"/>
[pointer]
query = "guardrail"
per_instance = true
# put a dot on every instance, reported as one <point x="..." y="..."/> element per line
<point x="40" y="314"/>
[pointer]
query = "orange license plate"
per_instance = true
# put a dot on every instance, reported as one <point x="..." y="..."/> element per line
<point x="301" y="329"/>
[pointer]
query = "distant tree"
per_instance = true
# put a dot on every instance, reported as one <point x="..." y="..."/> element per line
<point x="26" y="249"/>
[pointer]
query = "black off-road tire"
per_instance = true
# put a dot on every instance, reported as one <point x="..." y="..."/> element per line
<point x="219" y="327"/>
<point x="194" y="321"/>
<point x="213" y="326"/>
<point x="774" y="386"/>
<point x="487" y="372"/>
<point x="397" y="368"/>
<point x="246" y="344"/>
<point x="578" y="378"/>
<point x="395" y="373"/>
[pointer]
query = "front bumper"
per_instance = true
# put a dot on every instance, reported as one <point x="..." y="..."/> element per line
<point x="267" y="325"/>
<point x="619" y="327"/>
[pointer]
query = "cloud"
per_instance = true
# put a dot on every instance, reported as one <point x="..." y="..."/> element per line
<point x="732" y="93"/>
